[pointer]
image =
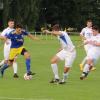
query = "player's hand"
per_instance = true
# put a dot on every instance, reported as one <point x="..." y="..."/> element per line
<point x="46" y="31"/>
<point x="92" y="42"/>
<point x="36" y="38"/>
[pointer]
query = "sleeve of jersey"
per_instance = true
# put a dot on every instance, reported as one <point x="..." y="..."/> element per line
<point x="25" y="33"/>
<point x="3" y="33"/>
<point x="9" y="36"/>
<point x="82" y="32"/>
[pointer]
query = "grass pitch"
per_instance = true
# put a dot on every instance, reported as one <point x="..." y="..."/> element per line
<point x="39" y="87"/>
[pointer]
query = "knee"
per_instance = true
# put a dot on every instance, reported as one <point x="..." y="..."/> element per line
<point x="89" y="61"/>
<point x="27" y="55"/>
<point x="53" y="61"/>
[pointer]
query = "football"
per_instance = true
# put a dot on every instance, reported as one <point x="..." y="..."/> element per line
<point x="27" y="77"/>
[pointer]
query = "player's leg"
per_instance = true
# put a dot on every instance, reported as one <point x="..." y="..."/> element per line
<point x="28" y="61"/>
<point x="12" y="55"/>
<point x="92" y="57"/>
<point x="82" y="63"/>
<point x="15" y="68"/>
<point x="5" y="66"/>
<point x="88" y="66"/>
<point x="6" y="57"/>
<point x="54" y="67"/>
<point x="69" y="59"/>
<point x="6" y="54"/>
<point x="84" y="60"/>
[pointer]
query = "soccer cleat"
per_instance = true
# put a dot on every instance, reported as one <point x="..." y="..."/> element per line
<point x="16" y="76"/>
<point x="54" y="81"/>
<point x="30" y="73"/>
<point x="93" y="68"/>
<point x="81" y="67"/>
<point x="62" y="82"/>
<point x="83" y="76"/>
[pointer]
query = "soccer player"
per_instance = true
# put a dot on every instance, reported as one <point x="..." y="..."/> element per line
<point x="17" y="40"/>
<point x="67" y="53"/>
<point x="93" y="54"/>
<point x="86" y="33"/>
<point x="7" y="46"/>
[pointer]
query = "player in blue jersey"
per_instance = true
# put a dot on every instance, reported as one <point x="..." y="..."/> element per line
<point x="17" y="39"/>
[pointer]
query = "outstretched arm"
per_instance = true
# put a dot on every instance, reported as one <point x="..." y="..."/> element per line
<point x="52" y="32"/>
<point x="3" y="38"/>
<point x="32" y="37"/>
<point x="94" y="43"/>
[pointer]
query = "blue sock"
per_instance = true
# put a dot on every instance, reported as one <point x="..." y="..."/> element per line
<point x="28" y="64"/>
<point x="5" y="66"/>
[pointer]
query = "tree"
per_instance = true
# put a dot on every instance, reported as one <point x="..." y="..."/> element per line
<point x="23" y="11"/>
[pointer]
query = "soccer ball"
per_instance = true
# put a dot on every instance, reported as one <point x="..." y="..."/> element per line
<point x="27" y="77"/>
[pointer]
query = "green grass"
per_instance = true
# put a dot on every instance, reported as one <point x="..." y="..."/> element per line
<point x="39" y="88"/>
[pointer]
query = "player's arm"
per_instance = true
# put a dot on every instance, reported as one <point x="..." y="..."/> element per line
<point x="32" y="37"/>
<point x="94" y="43"/>
<point x="52" y="32"/>
<point x="82" y="37"/>
<point x="3" y="38"/>
<point x="82" y="34"/>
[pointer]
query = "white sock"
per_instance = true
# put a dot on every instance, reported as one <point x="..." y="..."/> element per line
<point x="15" y="67"/>
<point x="84" y="60"/>
<point x="2" y="62"/>
<point x="55" y="70"/>
<point x="65" y="76"/>
<point x="86" y="68"/>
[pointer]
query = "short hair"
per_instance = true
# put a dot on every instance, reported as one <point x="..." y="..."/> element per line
<point x="96" y="28"/>
<point x="56" y="27"/>
<point x="11" y="20"/>
<point x="18" y="26"/>
<point x="89" y="20"/>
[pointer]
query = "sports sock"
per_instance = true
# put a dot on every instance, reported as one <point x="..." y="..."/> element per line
<point x="86" y="68"/>
<point x="28" y="61"/>
<point x="55" y="70"/>
<point x="65" y="76"/>
<point x="15" y="67"/>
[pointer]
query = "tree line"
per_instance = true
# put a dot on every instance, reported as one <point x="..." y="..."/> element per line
<point x="34" y="14"/>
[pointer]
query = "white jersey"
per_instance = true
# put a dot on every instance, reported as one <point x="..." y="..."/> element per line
<point x="66" y="42"/>
<point x="6" y="32"/>
<point x="97" y="40"/>
<point x="86" y="32"/>
<point x="94" y="52"/>
<point x="7" y="43"/>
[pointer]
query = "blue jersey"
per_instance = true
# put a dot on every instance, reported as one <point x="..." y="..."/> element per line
<point x="17" y="40"/>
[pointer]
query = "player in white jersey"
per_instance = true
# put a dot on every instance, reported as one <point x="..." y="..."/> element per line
<point x="94" y="53"/>
<point x="86" y="33"/>
<point x="67" y="53"/>
<point x="7" y="46"/>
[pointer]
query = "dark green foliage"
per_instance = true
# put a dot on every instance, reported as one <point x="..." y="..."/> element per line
<point x="37" y="13"/>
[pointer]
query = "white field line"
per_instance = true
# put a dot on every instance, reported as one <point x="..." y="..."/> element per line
<point x="12" y="98"/>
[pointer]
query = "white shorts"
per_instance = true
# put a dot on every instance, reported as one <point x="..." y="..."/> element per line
<point x="93" y="54"/>
<point x="6" y="51"/>
<point x="69" y="57"/>
<point x="87" y="47"/>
